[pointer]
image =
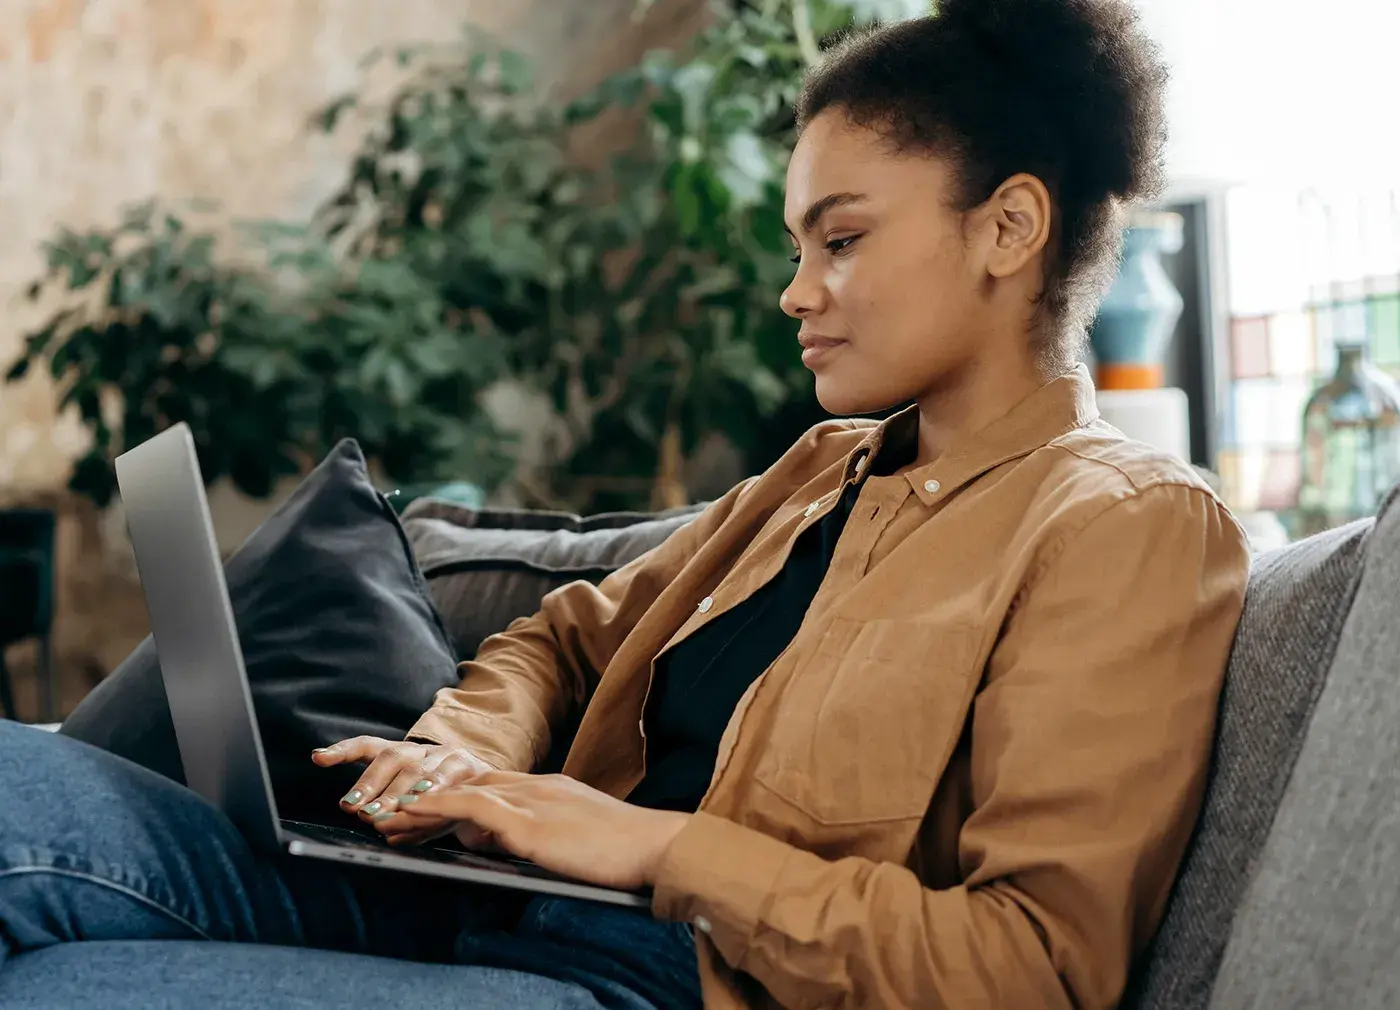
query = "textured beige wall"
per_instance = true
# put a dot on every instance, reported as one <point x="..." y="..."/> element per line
<point x="104" y="103"/>
<point x="107" y="102"/>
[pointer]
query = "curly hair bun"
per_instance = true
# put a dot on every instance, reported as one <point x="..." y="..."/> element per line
<point x="1094" y="73"/>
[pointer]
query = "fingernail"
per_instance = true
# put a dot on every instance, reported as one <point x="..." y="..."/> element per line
<point x="374" y="808"/>
<point x="352" y="797"/>
<point x="410" y="798"/>
<point x="384" y="816"/>
<point x="320" y="750"/>
<point x="421" y="786"/>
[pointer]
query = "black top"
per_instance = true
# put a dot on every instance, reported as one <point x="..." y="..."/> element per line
<point x="698" y="684"/>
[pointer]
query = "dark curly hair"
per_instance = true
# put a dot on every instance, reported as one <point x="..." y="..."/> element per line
<point x="1071" y="91"/>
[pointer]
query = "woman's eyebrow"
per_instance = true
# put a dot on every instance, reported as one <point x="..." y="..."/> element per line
<point x="819" y="207"/>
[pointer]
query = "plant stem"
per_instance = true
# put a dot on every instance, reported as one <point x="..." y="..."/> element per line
<point x="802" y="25"/>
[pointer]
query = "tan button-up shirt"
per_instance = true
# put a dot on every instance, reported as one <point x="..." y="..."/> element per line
<point x="969" y="779"/>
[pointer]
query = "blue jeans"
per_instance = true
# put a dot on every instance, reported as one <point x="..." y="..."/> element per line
<point x="93" y="847"/>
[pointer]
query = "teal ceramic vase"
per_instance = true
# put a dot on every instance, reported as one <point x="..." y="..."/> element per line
<point x="1140" y="312"/>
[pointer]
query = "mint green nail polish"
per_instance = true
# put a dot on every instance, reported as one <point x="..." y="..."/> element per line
<point x="352" y="797"/>
<point x="421" y="786"/>
<point x="410" y="798"/>
<point x="374" y="808"/>
<point x="384" y="816"/>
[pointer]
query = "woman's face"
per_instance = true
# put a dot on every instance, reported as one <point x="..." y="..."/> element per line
<point x="889" y="290"/>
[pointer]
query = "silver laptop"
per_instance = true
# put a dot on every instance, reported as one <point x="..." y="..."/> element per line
<point x="211" y="704"/>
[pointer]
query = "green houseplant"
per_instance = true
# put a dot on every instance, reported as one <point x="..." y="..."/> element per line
<point x="468" y="260"/>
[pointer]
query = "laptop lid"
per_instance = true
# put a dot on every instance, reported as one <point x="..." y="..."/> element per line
<point x="201" y="662"/>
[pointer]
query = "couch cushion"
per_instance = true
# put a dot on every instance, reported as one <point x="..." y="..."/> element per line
<point x="178" y="974"/>
<point x="339" y="638"/>
<point x="1294" y="609"/>
<point x="1320" y="923"/>
<point x="487" y="567"/>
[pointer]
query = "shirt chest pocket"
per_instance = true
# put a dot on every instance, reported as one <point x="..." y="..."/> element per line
<point x="863" y="729"/>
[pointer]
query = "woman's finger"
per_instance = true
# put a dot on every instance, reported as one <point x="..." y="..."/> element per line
<point x="408" y="779"/>
<point x="488" y="776"/>
<point x="403" y="782"/>
<point x="479" y="804"/>
<point x="478" y="840"/>
<point x="358" y="748"/>
<point x="384" y="769"/>
<point x="401" y="830"/>
<point x="441" y="770"/>
<point x="408" y="839"/>
<point x="433" y="772"/>
<point x="456" y="768"/>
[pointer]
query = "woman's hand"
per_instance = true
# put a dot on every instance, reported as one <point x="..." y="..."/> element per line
<point x="397" y="768"/>
<point x="553" y="820"/>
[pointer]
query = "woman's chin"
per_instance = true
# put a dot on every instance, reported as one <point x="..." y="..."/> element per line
<point x="845" y="399"/>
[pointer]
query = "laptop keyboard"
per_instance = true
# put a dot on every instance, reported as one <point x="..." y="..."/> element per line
<point x="362" y="836"/>
<point x="336" y="835"/>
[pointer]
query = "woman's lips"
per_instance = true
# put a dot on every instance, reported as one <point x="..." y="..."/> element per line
<point x="817" y="348"/>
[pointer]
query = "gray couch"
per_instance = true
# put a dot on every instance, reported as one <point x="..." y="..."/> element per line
<point x="1288" y="897"/>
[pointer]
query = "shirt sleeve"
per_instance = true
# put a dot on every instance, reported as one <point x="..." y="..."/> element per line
<point x="542" y="670"/>
<point x="1090" y="738"/>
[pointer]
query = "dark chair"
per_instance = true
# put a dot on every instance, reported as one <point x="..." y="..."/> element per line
<point x="26" y="598"/>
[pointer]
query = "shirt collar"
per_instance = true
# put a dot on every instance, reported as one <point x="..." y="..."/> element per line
<point x="1056" y="408"/>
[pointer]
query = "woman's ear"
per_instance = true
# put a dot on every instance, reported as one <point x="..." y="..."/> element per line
<point x="1018" y="218"/>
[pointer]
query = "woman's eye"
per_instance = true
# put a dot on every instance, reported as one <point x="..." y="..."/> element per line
<point x="836" y="247"/>
<point x="795" y="258"/>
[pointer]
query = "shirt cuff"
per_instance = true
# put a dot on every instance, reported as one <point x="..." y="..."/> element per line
<point x="501" y="745"/>
<point x="719" y="876"/>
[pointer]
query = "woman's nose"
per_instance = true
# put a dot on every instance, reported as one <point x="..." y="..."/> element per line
<point x="803" y="296"/>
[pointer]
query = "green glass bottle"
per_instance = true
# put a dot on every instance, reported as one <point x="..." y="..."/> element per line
<point x="1351" y="444"/>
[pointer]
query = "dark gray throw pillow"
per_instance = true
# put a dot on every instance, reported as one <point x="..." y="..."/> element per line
<point x="487" y="567"/>
<point x="339" y="635"/>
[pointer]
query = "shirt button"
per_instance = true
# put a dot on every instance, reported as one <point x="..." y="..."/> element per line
<point x="702" y="924"/>
<point x="706" y="604"/>
<point x="860" y="465"/>
<point x="932" y="486"/>
<point x="811" y="509"/>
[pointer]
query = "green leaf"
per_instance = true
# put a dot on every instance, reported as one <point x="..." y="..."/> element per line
<point x="516" y="74"/>
<point x="692" y="82"/>
<point x="374" y="365"/>
<point x="399" y="382"/>
<point x="436" y="356"/>
<point x="657" y="67"/>
<point x="38" y="342"/>
<point x="584" y="108"/>
<point x="327" y="118"/>
<point x="265" y="371"/>
<point x="18" y="370"/>
<point x="137" y="218"/>
<point x="686" y="204"/>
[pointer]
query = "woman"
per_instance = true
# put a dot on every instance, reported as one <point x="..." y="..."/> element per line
<point x="919" y="717"/>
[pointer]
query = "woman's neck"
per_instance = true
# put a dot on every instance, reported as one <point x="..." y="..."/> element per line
<point x="981" y="392"/>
